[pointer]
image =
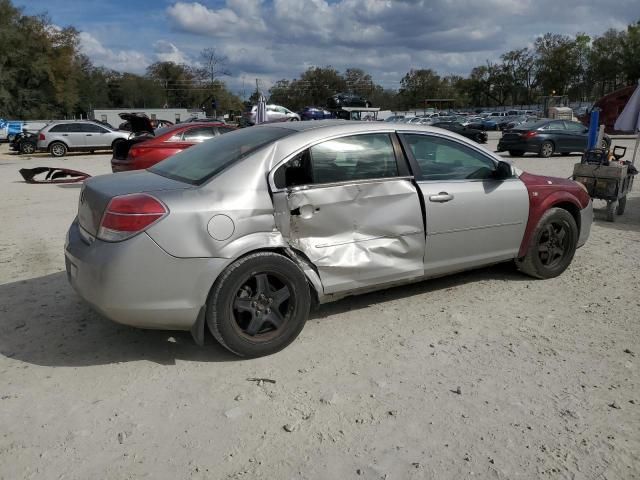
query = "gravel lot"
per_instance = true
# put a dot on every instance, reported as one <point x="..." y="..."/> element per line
<point x="487" y="374"/>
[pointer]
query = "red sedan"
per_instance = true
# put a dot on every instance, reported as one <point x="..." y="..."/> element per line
<point x="144" y="151"/>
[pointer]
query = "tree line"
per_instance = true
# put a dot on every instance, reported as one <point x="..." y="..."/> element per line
<point x="43" y="74"/>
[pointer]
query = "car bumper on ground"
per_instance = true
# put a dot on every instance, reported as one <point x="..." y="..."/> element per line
<point x="136" y="283"/>
<point x="586" y="219"/>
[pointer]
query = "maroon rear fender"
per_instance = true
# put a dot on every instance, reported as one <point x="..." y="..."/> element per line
<point x="546" y="193"/>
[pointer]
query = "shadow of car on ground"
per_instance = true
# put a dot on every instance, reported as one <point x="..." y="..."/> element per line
<point x="45" y="323"/>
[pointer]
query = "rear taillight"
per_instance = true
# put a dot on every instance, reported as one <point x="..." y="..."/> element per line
<point x="128" y="215"/>
<point x="529" y="134"/>
<point x="41" y="136"/>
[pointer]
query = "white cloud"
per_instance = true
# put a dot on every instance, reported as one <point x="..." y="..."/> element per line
<point x="168" y="52"/>
<point x="239" y="16"/>
<point x="273" y="39"/>
<point x="122" y="60"/>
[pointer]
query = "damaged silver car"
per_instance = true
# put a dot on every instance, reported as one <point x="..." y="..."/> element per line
<point x="245" y="232"/>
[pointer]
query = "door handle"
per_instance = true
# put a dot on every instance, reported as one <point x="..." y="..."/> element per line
<point x="65" y="135"/>
<point x="89" y="135"/>
<point x="442" y="197"/>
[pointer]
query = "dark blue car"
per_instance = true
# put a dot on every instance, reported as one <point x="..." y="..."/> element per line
<point x="314" y="113"/>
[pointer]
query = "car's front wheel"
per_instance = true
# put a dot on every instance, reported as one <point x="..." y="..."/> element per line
<point x="258" y="305"/>
<point x="552" y="245"/>
<point x="27" y="148"/>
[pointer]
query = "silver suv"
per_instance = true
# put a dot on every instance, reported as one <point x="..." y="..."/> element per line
<point x="59" y="137"/>
<point x="275" y="113"/>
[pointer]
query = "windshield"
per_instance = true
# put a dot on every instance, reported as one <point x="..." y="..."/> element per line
<point x="201" y="162"/>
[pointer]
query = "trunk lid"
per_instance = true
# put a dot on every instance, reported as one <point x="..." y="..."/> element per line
<point x="98" y="191"/>
<point x="139" y="122"/>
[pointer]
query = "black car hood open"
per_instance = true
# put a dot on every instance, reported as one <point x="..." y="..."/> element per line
<point x="139" y="122"/>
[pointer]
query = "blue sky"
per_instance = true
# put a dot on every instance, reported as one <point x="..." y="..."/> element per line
<point x="273" y="39"/>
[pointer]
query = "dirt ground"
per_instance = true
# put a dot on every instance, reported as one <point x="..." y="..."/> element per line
<point x="487" y="374"/>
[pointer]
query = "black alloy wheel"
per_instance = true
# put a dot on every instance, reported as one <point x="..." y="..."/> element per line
<point x="27" y="148"/>
<point x="259" y="304"/>
<point x="262" y="305"/>
<point x="552" y="245"/>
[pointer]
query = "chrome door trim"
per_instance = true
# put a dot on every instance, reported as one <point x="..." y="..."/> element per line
<point x="364" y="181"/>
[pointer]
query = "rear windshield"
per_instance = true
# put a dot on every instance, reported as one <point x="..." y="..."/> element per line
<point x="201" y="162"/>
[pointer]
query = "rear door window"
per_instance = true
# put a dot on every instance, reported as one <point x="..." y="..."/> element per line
<point x="91" y="128"/>
<point x="555" y="125"/>
<point x="357" y="157"/>
<point x="63" y="127"/>
<point x="352" y="158"/>
<point x="574" y="127"/>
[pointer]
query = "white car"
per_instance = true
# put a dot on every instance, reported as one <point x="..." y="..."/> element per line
<point x="275" y="113"/>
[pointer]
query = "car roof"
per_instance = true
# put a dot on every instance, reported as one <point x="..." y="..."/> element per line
<point x="305" y="133"/>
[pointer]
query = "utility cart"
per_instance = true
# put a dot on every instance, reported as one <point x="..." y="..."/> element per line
<point x="605" y="178"/>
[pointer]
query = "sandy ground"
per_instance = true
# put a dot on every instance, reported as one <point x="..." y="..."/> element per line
<point x="488" y="374"/>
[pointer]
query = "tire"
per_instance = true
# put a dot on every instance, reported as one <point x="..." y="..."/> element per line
<point x="559" y="249"/>
<point x="546" y="149"/>
<point x="58" y="149"/>
<point x="251" y="297"/>
<point x="478" y="138"/>
<point x="605" y="144"/>
<point x="294" y="119"/>
<point x="27" y="148"/>
<point x="516" y="153"/>
<point x="622" y="203"/>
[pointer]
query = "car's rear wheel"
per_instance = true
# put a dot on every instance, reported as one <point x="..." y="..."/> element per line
<point x="552" y="245"/>
<point x="27" y="148"/>
<point x="622" y="203"/>
<point x="516" y="153"/>
<point x="57" y="149"/>
<point x="258" y="305"/>
<point x="546" y="149"/>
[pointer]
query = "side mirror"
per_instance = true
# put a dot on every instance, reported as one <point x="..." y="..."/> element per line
<point x="502" y="171"/>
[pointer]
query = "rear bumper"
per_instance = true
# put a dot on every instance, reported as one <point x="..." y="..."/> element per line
<point x="136" y="283"/>
<point x="586" y="219"/>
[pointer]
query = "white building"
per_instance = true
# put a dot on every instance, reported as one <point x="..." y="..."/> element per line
<point x="175" y="115"/>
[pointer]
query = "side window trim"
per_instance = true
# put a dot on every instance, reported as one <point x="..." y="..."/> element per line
<point x="415" y="167"/>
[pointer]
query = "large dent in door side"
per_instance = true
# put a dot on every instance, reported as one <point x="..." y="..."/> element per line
<point x="360" y="234"/>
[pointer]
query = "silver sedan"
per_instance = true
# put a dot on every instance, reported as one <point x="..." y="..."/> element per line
<point x="244" y="233"/>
